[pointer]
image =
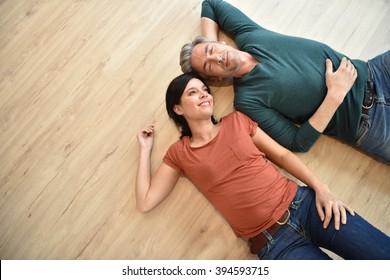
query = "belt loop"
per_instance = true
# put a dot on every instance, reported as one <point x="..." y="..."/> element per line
<point x="267" y="234"/>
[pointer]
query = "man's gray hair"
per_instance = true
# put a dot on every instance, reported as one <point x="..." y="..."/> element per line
<point x="185" y="53"/>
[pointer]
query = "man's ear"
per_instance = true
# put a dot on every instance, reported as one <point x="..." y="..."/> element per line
<point x="177" y="109"/>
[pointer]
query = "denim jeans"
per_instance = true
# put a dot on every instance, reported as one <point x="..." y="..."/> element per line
<point x="302" y="236"/>
<point x="374" y="133"/>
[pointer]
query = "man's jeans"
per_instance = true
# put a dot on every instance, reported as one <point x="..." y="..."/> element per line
<point x="374" y="134"/>
<point x="302" y="236"/>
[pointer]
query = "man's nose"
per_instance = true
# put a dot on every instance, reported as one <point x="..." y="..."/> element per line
<point x="217" y="58"/>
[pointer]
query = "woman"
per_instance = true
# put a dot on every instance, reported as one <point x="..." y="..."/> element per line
<point x="227" y="162"/>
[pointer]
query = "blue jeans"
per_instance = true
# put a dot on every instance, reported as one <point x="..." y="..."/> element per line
<point x="374" y="133"/>
<point x="302" y="236"/>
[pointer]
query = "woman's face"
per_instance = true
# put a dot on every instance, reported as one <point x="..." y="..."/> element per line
<point x="196" y="102"/>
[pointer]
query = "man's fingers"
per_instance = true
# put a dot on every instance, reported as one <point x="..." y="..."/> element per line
<point x="329" y="66"/>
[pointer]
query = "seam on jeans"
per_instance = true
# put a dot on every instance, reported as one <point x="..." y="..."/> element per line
<point x="364" y="128"/>
<point x="380" y="101"/>
<point x="297" y="227"/>
<point x="267" y="248"/>
<point x="295" y="203"/>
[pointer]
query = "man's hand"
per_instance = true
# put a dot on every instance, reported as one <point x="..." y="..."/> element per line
<point x="340" y="82"/>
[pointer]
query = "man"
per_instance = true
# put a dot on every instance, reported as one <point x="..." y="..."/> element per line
<point x="279" y="82"/>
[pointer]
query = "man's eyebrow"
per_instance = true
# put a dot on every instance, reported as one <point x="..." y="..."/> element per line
<point x="205" y="54"/>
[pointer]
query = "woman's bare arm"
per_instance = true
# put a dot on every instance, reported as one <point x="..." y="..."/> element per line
<point x="151" y="190"/>
<point x="327" y="204"/>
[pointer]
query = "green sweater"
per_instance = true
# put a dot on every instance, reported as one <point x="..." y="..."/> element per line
<point x="288" y="85"/>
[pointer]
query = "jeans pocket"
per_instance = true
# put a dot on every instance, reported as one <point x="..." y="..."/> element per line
<point x="363" y="130"/>
<point x="264" y="251"/>
<point x="299" y="197"/>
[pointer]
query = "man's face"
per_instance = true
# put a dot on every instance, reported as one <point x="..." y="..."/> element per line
<point x="214" y="59"/>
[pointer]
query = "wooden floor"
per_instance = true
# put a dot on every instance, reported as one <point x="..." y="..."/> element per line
<point x="78" y="79"/>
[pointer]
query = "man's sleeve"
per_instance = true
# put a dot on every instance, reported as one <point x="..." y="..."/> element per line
<point x="282" y="130"/>
<point x="229" y="19"/>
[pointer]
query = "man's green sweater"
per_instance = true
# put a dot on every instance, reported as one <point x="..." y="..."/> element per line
<point x="288" y="85"/>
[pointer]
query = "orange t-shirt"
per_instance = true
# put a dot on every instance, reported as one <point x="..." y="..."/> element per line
<point x="235" y="176"/>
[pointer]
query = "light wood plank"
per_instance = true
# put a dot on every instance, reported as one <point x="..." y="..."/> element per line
<point x="78" y="79"/>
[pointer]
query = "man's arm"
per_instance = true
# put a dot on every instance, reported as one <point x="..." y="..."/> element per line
<point x="219" y="15"/>
<point x="339" y="84"/>
<point x="210" y="29"/>
<point x="302" y="138"/>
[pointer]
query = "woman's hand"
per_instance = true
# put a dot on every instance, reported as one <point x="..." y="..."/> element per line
<point x="146" y="137"/>
<point x="329" y="205"/>
<point x="150" y="189"/>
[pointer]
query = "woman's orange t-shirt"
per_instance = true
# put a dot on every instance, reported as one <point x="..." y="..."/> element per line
<point x="231" y="172"/>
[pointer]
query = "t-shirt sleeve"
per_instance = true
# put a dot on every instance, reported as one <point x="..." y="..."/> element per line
<point x="229" y="18"/>
<point x="249" y="124"/>
<point x="171" y="159"/>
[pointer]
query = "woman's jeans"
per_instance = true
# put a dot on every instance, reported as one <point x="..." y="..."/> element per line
<point x="302" y="236"/>
<point x="374" y="133"/>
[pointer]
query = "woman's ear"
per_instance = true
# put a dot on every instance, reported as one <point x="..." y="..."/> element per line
<point x="177" y="109"/>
